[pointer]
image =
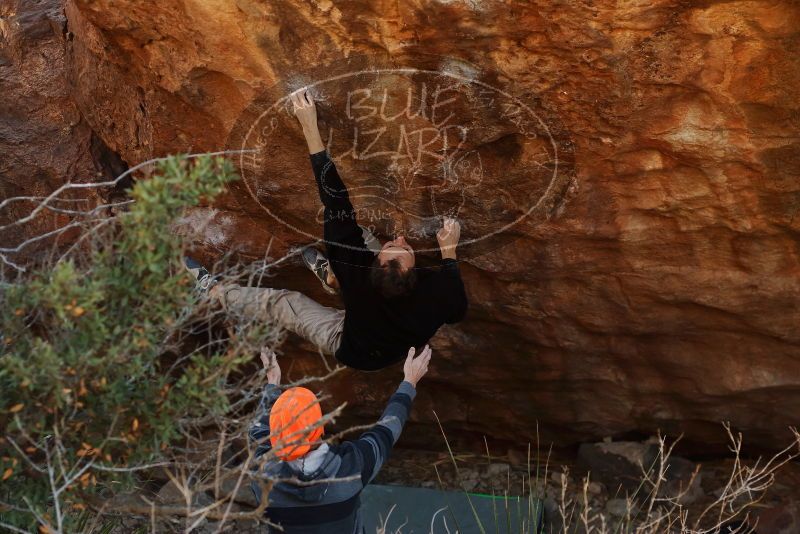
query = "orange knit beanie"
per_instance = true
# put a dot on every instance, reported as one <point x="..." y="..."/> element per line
<point x="294" y="423"/>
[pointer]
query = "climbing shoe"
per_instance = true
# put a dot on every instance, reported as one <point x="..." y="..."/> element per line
<point x="204" y="280"/>
<point x="320" y="266"/>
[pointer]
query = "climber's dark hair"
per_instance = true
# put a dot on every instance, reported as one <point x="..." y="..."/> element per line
<point x="390" y="278"/>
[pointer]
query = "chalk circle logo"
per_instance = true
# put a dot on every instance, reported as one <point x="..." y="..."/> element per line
<point x="412" y="146"/>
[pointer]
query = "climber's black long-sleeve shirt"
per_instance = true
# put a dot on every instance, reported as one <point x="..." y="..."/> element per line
<point x="378" y="331"/>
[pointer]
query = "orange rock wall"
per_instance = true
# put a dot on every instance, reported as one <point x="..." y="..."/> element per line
<point x="660" y="289"/>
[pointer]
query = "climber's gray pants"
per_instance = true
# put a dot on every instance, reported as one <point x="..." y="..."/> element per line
<point x="291" y="310"/>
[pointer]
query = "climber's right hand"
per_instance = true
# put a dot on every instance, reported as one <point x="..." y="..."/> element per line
<point x="304" y="108"/>
<point x="448" y="237"/>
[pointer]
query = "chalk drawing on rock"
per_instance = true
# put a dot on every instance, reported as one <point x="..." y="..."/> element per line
<point x="413" y="145"/>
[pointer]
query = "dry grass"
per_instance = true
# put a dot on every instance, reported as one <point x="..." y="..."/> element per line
<point x="655" y="507"/>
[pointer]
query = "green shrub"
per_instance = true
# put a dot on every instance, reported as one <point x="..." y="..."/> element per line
<point x="87" y="385"/>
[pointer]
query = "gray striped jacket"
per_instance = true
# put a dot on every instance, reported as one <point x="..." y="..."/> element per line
<point x="330" y="506"/>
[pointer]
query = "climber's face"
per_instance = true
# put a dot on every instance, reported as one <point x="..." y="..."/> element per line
<point x="397" y="249"/>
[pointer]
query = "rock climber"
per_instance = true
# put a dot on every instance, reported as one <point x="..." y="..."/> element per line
<point x="289" y="446"/>
<point x="389" y="303"/>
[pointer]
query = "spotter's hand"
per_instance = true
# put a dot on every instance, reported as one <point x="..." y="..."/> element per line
<point x="270" y="361"/>
<point x="415" y="368"/>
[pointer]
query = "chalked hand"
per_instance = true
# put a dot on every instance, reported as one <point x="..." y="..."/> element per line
<point x="448" y="237"/>
<point x="304" y="108"/>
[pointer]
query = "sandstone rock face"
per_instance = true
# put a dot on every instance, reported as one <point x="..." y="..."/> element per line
<point x="44" y="139"/>
<point x="628" y="175"/>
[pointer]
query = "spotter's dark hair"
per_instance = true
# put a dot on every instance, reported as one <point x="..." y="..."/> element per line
<point x="390" y="279"/>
